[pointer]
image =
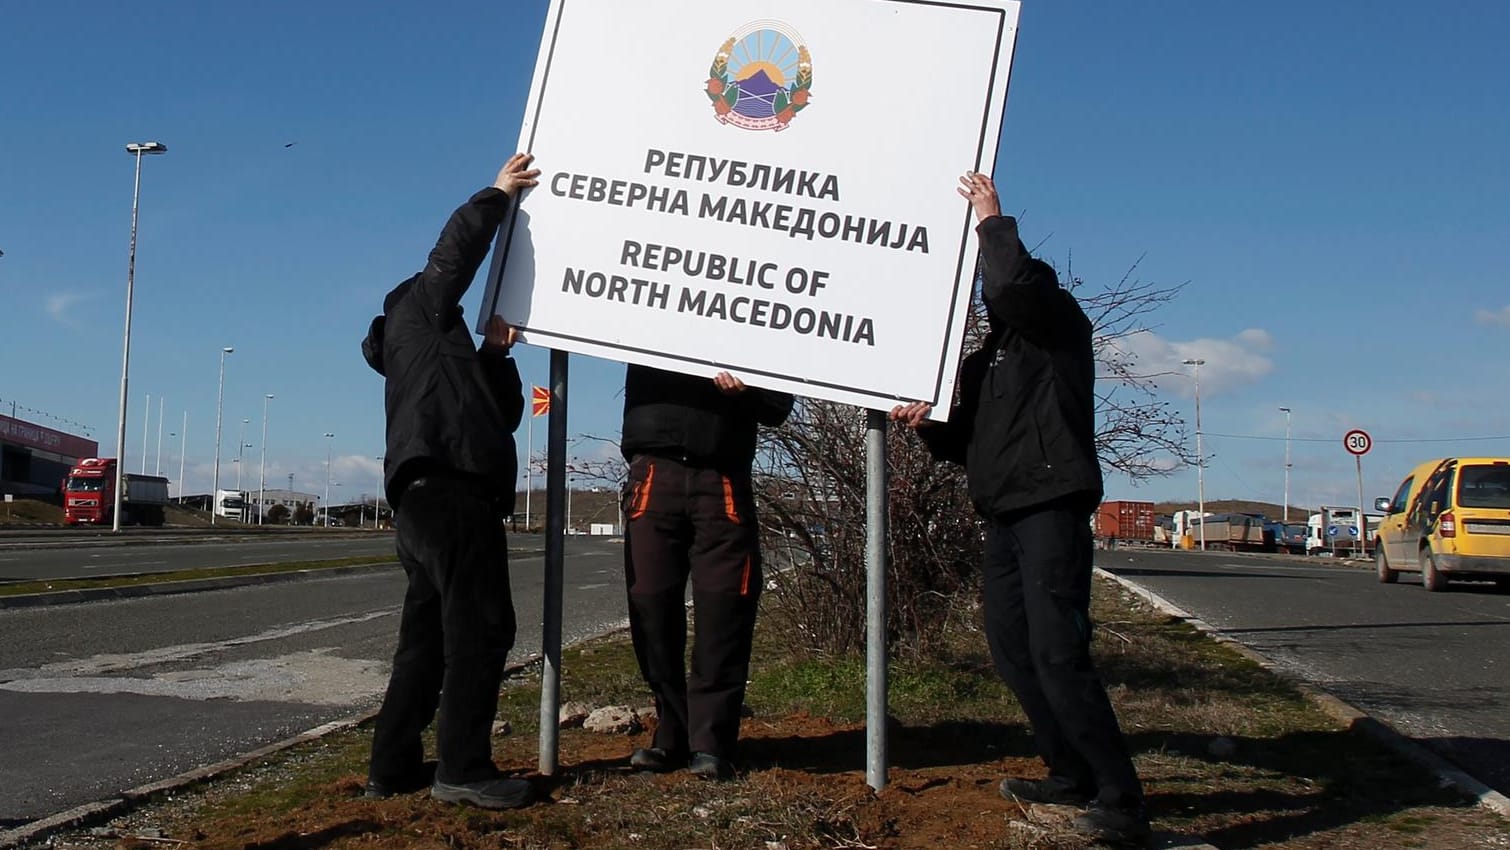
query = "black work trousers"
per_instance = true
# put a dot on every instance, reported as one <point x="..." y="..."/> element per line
<point x="456" y="629"/>
<point x="1037" y="612"/>
<point x="686" y="521"/>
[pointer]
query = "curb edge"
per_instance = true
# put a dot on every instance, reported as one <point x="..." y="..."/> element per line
<point x="1444" y="771"/>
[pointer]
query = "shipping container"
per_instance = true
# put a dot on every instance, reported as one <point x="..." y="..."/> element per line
<point x="1125" y="521"/>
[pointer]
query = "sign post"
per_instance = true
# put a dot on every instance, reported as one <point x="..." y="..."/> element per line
<point x="1358" y="442"/>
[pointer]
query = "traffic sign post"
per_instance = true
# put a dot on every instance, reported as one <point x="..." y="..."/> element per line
<point x="1358" y="442"/>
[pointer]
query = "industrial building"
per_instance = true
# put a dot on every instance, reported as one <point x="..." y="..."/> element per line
<point x="34" y="459"/>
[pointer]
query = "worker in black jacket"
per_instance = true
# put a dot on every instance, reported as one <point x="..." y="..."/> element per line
<point x="689" y="510"/>
<point x="449" y="472"/>
<point x="1024" y="428"/>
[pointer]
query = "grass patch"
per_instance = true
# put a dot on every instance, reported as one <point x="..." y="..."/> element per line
<point x="1229" y="753"/>
<point x="22" y="588"/>
<point x="29" y="512"/>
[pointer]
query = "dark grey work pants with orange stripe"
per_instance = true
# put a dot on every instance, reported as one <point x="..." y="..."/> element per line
<point x="686" y="521"/>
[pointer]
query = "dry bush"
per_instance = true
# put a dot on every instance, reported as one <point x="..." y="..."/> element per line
<point x="811" y="482"/>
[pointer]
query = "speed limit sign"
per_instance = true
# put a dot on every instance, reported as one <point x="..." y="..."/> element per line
<point x="1357" y="442"/>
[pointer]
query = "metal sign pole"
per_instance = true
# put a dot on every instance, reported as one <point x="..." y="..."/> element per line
<point x="875" y="599"/>
<point x="555" y="552"/>
<point x="1362" y="518"/>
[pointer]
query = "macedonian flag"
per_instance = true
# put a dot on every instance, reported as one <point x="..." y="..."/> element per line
<point x="541" y="401"/>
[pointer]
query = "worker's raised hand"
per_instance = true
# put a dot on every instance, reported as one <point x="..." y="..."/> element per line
<point x="728" y="384"/>
<point x="913" y="415"/>
<point x="499" y="334"/>
<point x="516" y="174"/>
<point x="978" y="189"/>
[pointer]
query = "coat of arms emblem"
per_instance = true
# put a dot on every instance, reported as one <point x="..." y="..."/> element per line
<point x="761" y="78"/>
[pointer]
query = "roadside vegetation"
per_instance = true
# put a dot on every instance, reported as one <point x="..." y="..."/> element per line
<point x="1230" y="753"/>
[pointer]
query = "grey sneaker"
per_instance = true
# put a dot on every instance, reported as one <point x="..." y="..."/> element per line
<point x="487" y="794"/>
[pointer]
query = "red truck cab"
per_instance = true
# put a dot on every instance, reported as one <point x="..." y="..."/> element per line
<point x="89" y="495"/>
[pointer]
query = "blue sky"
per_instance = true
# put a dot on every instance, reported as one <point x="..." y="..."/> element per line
<point x="1330" y="180"/>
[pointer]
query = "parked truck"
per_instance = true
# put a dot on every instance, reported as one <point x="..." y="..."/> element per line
<point x="1181" y="524"/>
<point x="1231" y="532"/>
<point x="1122" y="521"/>
<point x="232" y="504"/>
<point x="89" y="495"/>
<point x="1335" y="531"/>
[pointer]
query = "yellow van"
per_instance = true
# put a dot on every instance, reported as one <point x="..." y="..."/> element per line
<point x="1449" y="519"/>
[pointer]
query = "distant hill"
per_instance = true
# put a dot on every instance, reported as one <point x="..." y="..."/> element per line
<point x="1237" y="506"/>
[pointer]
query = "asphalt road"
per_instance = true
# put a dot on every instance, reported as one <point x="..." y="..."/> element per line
<point x="1435" y="666"/>
<point x="104" y="696"/>
<point x="79" y="558"/>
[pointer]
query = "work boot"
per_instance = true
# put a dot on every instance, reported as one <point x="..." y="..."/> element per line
<point x="487" y="794"/>
<point x="656" y="760"/>
<point x="709" y="766"/>
<point x="1121" y="825"/>
<point x="1054" y="791"/>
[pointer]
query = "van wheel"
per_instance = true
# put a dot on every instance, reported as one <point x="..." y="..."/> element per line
<point x="1381" y="565"/>
<point x="1432" y="578"/>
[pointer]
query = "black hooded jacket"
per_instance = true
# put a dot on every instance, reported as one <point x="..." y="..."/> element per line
<point x="451" y="408"/>
<point x="687" y="418"/>
<point x="1025" y="424"/>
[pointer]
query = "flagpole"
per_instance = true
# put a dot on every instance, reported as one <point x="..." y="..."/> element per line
<point x="529" y="453"/>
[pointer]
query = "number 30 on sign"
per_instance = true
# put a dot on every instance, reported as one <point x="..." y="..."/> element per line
<point x="1357" y="442"/>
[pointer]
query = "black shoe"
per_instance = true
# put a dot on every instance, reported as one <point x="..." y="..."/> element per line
<point x="1124" y="825"/>
<point x="656" y="760"/>
<point x="709" y="766"/>
<point x="1055" y="791"/>
<point x="379" y="789"/>
<point x="487" y="794"/>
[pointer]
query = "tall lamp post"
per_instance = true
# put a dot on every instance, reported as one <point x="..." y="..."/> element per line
<point x="262" y="466"/>
<point x="377" y="501"/>
<point x="1286" y="412"/>
<point x="328" y="436"/>
<point x="183" y="442"/>
<point x="138" y="150"/>
<point x="241" y="443"/>
<point x="219" y="404"/>
<point x="158" y="467"/>
<point x="1200" y="454"/>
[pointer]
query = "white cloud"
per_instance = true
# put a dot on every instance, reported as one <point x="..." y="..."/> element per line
<point x="1500" y="317"/>
<point x="60" y="306"/>
<point x="1229" y="363"/>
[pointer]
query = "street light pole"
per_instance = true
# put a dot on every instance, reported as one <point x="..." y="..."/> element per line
<point x="1200" y="454"/>
<point x="157" y="468"/>
<point x="240" y="444"/>
<point x="328" y="437"/>
<point x="137" y="149"/>
<point x="183" y="442"/>
<point x="219" y="404"/>
<point x="1286" y="412"/>
<point x="262" y="467"/>
<point x="146" y="429"/>
<point x="377" y="500"/>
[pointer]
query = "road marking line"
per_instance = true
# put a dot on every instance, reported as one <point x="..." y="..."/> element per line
<point x="118" y="662"/>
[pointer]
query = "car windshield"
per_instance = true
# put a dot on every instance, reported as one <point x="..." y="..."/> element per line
<point x="86" y="485"/>
<point x="1484" y="486"/>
